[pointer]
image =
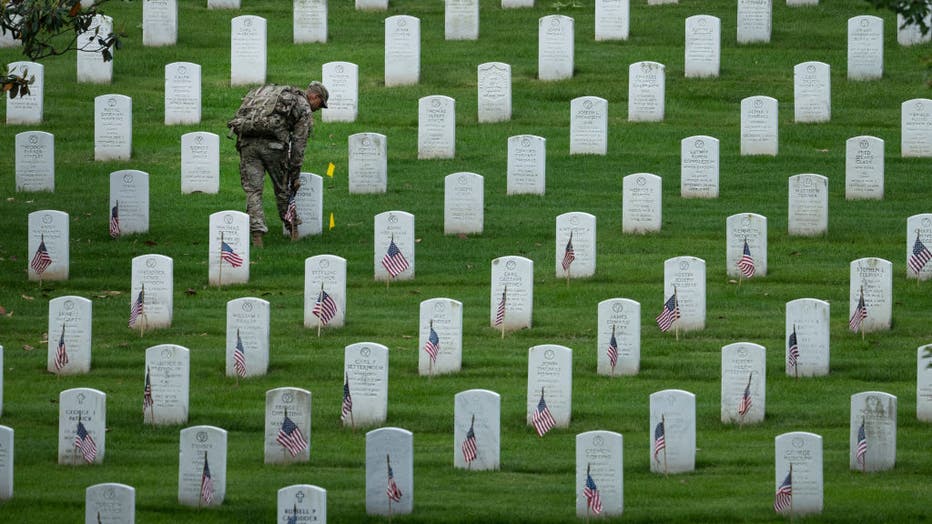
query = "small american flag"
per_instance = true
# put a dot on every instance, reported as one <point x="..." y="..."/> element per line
<point x="660" y="440"/>
<point x="613" y="349"/>
<point x="470" y="450"/>
<point x="138" y="307"/>
<point x="346" y="409"/>
<point x="394" y="494"/>
<point x="239" y="357"/>
<point x="860" y="313"/>
<point x="61" y="355"/>
<point x="394" y="261"/>
<point x="861" y="451"/>
<point x="569" y="254"/>
<point x="591" y="492"/>
<point x="500" y="312"/>
<point x="783" y="498"/>
<point x="147" y="401"/>
<point x="115" y="220"/>
<point x="207" y="483"/>
<point x="325" y="308"/>
<point x="541" y="418"/>
<point x="744" y="405"/>
<point x="41" y="260"/>
<point x="227" y="253"/>
<point x="670" y="313"/>
<point x="290" y="437"/>
<point x="84" y="443"/>
<point x="746" y="263"/>
<point x="793" y="348"/>
<point x="291" y="213"/>
<point x="432" y="346"/>
<point x="919" y="257"/>
<point x="293" y="519"/>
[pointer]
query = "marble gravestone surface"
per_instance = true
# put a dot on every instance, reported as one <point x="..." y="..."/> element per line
<point x="646" y="91"/>
<point x="619" y="319"/>
<point x="802" y="452"/>
<point x="703" y="46"/>
<point x="310" y="22"/>
<point x="600" y="454"/>
<point x="248" y="53"/>
<point x="808" y="205"/>
<point x="309" y="501"/>
<point x="744" y="383"/>
<point x="48" y="231"/>
<point x="153" y="275"/>
<point x="393" y="227"/>
<point x="113" y="127"/>
<point x="494" y="92"/>
<point x="672" y="417"/>
<point x="87" y="407"/>
<point x="108" y="503"/>
<point x="129" y="193"/>
<point x="686" y="275"/>
<point x="200" y="162"/>
<point x="527" y="165"/>
<point x="445" y="317"/>
<point x="91" y="67"/>
<point x="168" y="370"/>
<point x="27" y="109"/>
<point x="918" y="226"/>
<point x="916" y="127"/>
<point x="924" y="383"/>
<point x="294" y="403"/>
<point x="367" y="163"/>
<point x="182" y="93"/>
<point x="755" y="19"/>
<point x="228" y="248"/>
<point x="200" y="445"/>
<point x="342" y="81"/>
<point x="752" y="229"/>
<point x="389" y="449"/>
<point x="550" y="374"/>
<point x="759" y="131"/>
<point x="641" y="203"/>
<point x="461" y="20"/>
<point x="327" y="273"/>
<point x="873" y="276"/>
<point x="699" y="167"/>
<point x="576" y="229"/>
<point x="159" y="22"/>
<point x="588" y="126"/>
<point x="402" y="50"/>
<point x="478" y="410"/>
<point x="248" y="326"/>
<point x="309" y="204"/>
<point x="365" y="369"/>
<point x="69" y="340"/>
<point x="6" y="462"/>
<point x="512" y="292"/>
<point x="463" y="208"/>
<point x="865" y="47"/>
<point x="807" y="324"/>
<point x="555" y="52"/>
<point x="876" y="412"/>
<point x="35" y="161"/>
<point x="612" y="19"/>
<point x="812" y="92"/>
<point x="436" y="127"/>
<point x="864" y="168"/>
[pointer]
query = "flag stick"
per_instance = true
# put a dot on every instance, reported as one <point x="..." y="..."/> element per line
<point x="613" y="365"/>
<point x="319" y="297"/>
<point x="220" y="263"/>
<point x="864" y="460"/>
<point x="74" y="449"/>
<point x="791" y="492"/>
<point x="388" y="463"/>
<point x="471" y="424"/>
<point x="676" y="327"/>
<point x="664" y="422"/>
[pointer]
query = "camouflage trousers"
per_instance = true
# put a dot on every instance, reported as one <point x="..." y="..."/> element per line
<point x="258" y="156"/>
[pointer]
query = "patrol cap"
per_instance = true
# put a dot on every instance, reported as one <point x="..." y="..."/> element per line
<point x="320" y="90"/>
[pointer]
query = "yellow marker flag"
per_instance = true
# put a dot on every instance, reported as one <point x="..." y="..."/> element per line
<point x="330" y="167"/>
<point x="331" y="217"/>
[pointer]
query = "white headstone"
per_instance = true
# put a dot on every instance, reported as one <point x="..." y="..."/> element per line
<point x="342" y="81"/>
<point x="371" y="5"/>
<point x="588" y="126"/>
<point x="744" y="383"/>
<point x="812" y="92"/>
<point x="200" y="162"/>
<point x="808" y="205"/>
<point x="159" y="22"/>
<point x="750" y="228"/>
<point x="494" y="92"/>
<point x="367" y="163"/>
<point x="924" y="383"/>
<point x="309" y="501"/>
<point x="619" y="318"/>
<point x="109" y="502"/>
<point x="247" y="330"/>
<point x="512" y="293"/>
<point x="646" y="91"/>
<point x="389" y="459"/>
<point x="6" y="37"/>
<point x="864" y="168"/>
<point x="436" y="127"/>
<point x="916" y="127"/>
<point x="479" y="411"/>
<point x="402" y="50"/>
<point x="202" y="451"/>
<point x="153" y="275"/>
<point x="287" y="442"/>
<point x="918" y="227"/>
<point x="327" y="273"/>
<point x="365" y="369"/>
<point x="1" y="380"/>
<point x="875" y="277"/>
<point x="641" y="203"/>
<point x="754" y="21"/>
<point x="247" y="50"/>
<point x="555" y="47"/>
<point x="865" y="47"/>
<point x="228" y="250"/>
<point x="182" y="93"/>
<point x="129" y="201"/>
<point x="310" y="22"/>
<point x="875" y="411"/>
<point x="703" y="46"/>
<point x="48" y="257"/>
<point x="808" y="326"/>
<point x="575" y="245"/>
<point x="699" y="167"/>
<point x="463" y="208"/>
<point x="309" y="204"/>
<point x="69" y="335"/>
<point x="600" y="454"/>
<point x="91" y="67"/>
<point x="82" y="418"/>
<point x="512" y="4"/>
<point x="27" y="109"/>
<point x="35" y="161"/>
<point x="685" y="276"/>
<point x="911" y="34"/>
<point x="461" y="19"/>
<point x="798" y="455"/>
<point x="759" y="132"/>
<point x="168" y="370"/>
<point x="223" y="4"/>
<point x="6" y="463"/>
<point x="113" y="127"/>
<point x="612" y="19"/>
<point x="672" y="420"/>
<point x="527" y="165"/>
<point x="393" y="228"/>
<point x="550" y="375"/>
<point x="443" y="317"/>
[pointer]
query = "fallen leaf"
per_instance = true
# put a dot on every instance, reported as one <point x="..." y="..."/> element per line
<point x="27" y="347"/>
<point x="406" y="337"/>
<point x="462" y="236"/>
<point x="190" y="291"/>
<point x="27" y="297"/>
<point x="151" y="243"/>
<point x="2" y="310"/>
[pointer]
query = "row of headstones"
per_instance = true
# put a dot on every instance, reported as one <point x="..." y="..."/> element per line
<point x="477" y="413"/>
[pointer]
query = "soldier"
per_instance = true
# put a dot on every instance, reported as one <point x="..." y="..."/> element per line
<point x="272" y="127"/>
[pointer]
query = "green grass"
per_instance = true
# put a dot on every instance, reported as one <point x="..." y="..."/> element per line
<point x="734" y="473"/>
